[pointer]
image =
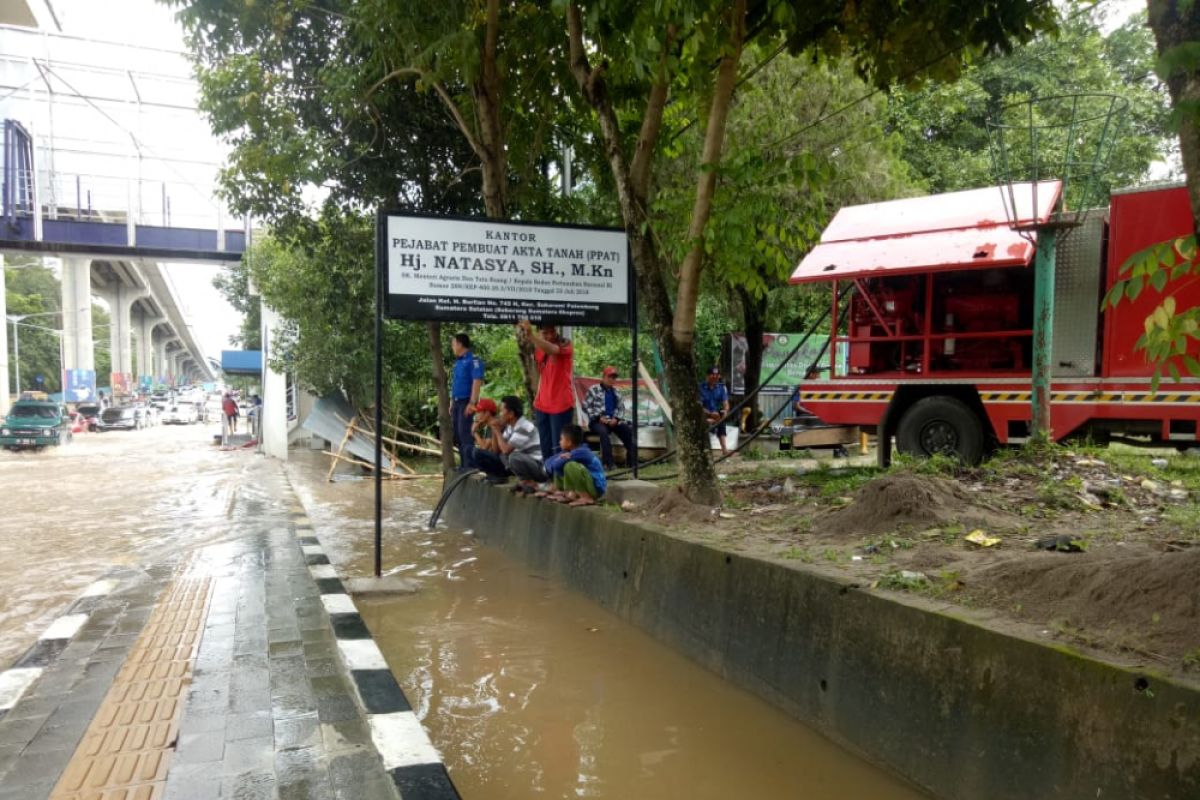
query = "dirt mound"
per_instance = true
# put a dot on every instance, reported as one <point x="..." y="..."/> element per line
<point x="912" y="502"/>
<point x="673" y="505"/>
<point x="1147" y="604"/>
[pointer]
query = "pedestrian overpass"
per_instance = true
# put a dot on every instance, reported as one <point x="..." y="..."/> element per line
<point x="109" y="167"/>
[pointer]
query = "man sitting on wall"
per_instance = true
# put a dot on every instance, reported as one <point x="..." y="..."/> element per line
<point x="515" y="448"/>
<point x="605" y="411"/>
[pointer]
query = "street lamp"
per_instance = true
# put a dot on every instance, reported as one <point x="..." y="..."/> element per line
<point x="17" y="319"/>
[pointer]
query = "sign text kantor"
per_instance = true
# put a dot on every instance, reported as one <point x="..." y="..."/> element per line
<point x="485" y="271"/>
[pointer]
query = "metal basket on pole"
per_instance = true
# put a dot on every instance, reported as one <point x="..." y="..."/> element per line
<point x="1050" y="156"/>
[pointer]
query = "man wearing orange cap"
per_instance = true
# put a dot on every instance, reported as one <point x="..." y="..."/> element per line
<point x="605" y="411"/>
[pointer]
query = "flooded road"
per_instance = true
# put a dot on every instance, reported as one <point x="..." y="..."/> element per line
<point x="119" y="499"/>
<point x="528" y="689"/>
<point x="531" y="690"/>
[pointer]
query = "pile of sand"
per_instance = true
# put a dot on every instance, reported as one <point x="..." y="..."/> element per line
<point x="673" y="506"/>
<point x="905" y="502"/>
<point x="1150" y="602"/>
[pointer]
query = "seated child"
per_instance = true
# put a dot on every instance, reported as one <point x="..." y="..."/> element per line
<point x="577" y="474"/>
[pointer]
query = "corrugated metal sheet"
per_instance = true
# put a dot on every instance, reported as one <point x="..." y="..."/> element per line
<point x="956" y="230"/>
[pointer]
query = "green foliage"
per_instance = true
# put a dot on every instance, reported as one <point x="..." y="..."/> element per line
<point x="328" y="290"/>
<point x="233" y="284"/>
<point x="1171" y="333"/>
<point x="943" y="126"/>
<point x="33" y="289"/>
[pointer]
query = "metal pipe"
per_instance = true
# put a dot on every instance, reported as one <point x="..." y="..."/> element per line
<point x="1043" y="333"/>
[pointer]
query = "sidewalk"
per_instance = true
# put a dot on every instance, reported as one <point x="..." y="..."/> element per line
<point x="242" y="671"/>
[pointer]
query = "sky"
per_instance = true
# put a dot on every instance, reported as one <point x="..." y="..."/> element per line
<point x="148" y="23"/>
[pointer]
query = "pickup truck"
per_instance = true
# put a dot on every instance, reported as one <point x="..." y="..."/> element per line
<point x="35" y="424"/>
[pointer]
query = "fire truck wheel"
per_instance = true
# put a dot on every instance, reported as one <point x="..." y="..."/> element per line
<point x="941" y="425"/>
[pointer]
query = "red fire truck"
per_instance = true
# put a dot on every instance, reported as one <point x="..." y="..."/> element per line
<point x="933" y="311"/>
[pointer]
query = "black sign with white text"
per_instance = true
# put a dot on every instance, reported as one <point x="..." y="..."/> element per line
<point x="438" y="268"/>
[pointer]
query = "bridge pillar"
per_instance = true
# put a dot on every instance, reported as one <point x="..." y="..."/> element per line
<point x="145" y="350"/>
<point x="4" y="325"/>
<point x="162" y="361"/>
<point x="120" y="331"/>
<point x="274" y="422"/>
<point x="78" y="351"/>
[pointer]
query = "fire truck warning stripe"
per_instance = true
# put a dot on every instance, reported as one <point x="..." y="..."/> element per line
<point x="1022" y="397"/>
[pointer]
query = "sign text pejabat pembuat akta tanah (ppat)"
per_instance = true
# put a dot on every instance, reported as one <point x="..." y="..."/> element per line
<point x="472" y="270"/>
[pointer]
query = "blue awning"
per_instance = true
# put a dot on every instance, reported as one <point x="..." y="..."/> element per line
<point x="241" y="362"/>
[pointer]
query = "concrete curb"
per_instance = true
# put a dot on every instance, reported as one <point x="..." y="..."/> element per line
<point x="414" y="764"/>
<point x="16" y="681"/>
<point x="929" y="692"/>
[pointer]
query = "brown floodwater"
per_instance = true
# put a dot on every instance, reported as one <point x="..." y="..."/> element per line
<point x="531" y="690"/>
<point x="69" y="515"/>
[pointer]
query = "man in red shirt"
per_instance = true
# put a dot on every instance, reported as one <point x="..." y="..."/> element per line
<point x="554" y="406"/>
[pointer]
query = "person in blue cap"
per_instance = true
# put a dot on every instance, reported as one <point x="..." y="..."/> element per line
<point x="714" y="399"/>
<point x="465" y="383"/>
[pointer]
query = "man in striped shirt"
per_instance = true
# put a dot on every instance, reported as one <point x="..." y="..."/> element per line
<point x="516" y="448"/>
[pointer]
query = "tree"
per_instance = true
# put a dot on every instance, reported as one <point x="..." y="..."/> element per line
<point x="629" y="59"/>
<point x="943" y="126"/>
<point x="32" y="289"/>
<point x="783" y="178"/>
<point x="1176" y="26"/>
<point x="295" y="91"/>
<point x="234" y="285"/>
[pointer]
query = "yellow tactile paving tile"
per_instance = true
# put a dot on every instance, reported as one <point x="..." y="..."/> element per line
<point x="126" y="751"/>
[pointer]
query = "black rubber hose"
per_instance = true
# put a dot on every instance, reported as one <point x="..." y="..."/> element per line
<point x="449" y="490"/>
<point x="803" y="340"/>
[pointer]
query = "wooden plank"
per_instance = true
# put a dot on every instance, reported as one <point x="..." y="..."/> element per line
<point x="338" y="454"/>
<point x="826" y="437"/>
<point x="655" y="393"/>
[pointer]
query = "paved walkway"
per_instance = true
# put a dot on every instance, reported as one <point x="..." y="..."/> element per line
<point x="243" y="670"/>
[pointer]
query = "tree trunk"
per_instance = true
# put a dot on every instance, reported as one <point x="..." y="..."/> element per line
<point x="754" y="323"/>
<point x="445" y="426"/>
<point x="1174" y="30"/>
<point x="691" y="429"/>
<point x="632" y="183"/>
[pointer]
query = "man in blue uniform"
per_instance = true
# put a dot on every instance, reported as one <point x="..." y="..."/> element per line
<point x="714" y="399"/>
<point x="465" y="383"/>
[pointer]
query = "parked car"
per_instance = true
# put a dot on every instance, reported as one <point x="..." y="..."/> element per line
<point x="181" y="412"/>
<point x="123" y="418"/>
<point x="90" y="412"/>
<point x="35" y="424"/>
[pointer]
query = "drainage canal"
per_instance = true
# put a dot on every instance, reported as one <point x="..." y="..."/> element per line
<point x="530" y="690"/>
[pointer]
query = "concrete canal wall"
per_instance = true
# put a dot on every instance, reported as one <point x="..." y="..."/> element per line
<point x="956" y="708"/>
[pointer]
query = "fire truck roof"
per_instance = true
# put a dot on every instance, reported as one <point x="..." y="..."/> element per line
<point x="956" y="230"/>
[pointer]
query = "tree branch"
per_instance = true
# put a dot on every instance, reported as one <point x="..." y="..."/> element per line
<point x="651" y="125"/>
<point x="443" y="93"/>
<point x="683" y="326"/>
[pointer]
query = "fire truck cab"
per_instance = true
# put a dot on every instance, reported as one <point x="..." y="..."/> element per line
<point x="932" y="303"/>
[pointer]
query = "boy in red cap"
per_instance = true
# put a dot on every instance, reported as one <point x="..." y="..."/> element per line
<point x="485" y="412"/>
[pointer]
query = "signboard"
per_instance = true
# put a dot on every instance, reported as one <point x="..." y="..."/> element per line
<point x="79" y="385"/>
<point x="483" y="271"/>
<point x="121" y="383"/>
<point x="776" y="347"/>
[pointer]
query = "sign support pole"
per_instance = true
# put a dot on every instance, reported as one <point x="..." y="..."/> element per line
<point x="633" y="371"/>
<point x="380" y="266"/>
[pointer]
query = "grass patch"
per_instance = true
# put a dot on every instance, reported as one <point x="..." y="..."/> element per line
<point x="838" y="482"/>
<point x="1184" y="518"/>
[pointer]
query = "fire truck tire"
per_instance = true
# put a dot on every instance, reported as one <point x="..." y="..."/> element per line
<point x="941" y="424"/>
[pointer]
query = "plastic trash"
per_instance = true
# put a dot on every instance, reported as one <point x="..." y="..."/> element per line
<point x="980" y="538"/>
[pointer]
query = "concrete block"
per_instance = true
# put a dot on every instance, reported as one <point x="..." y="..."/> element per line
<point x="388" y="584"/>
<point x="638" y="492"/>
